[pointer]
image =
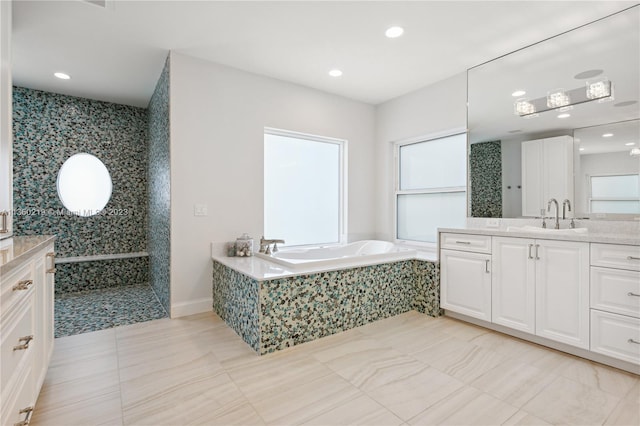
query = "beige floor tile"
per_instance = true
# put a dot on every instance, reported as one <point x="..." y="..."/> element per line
<point x="567" y="402"/>
<point x="242" y="415"/>
<point x="506" y="346"/>
<point x="634" y="393"/>
<point x="522" y="418"/>
<point x="391" y="326"/>
<point x="198" y="400"/>
<point x="466" y="406"/>
<point x="625" y="414"/>
<point x="417" y="339"/>
<point x="86" y="400"/>
<point x="295" y="405"/>
<point x="409" y="395"/>
<point x="84" y="362"/>
<point x="607" y="379"/>
<point x="444" y="348"/>
<point x="469" y="363"/>
<point x="459" y="329"/>
<point x="513" y="382"/>
<point x="361" y="410"/>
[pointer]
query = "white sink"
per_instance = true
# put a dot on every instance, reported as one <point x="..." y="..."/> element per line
<point x="540" y="230"/>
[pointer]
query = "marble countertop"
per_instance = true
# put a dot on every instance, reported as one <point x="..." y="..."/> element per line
<point x="590" y="237"/>
<point x="262" y="270"/>
<point x="15" y="249"/>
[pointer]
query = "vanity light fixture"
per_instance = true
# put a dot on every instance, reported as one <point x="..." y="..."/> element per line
<point x="557" y="98"/>
<point x="394" y="32"/>
<point x="607" y="135"/>
<point x="563" y="100"/>
<point x="62" y="76"/>
<point x="518" y="93"/>
<point x="335" y="72"/>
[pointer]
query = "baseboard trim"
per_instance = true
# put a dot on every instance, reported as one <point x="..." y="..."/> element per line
<point x="191" y="307"/>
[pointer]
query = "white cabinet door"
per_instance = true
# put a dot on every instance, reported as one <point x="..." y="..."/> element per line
<point x="44" y="325"/>
<point x="562" y="291"/>
<point x="6" y="133"/>
<point x="465" y="283"/>
<point x="547" y="172"/>
<point x="513" y="283"/>
<point x="532" y="178"/>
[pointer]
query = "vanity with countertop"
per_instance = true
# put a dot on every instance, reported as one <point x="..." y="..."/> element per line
<point x="575" y="290"/>
<point x="27" y="269"/>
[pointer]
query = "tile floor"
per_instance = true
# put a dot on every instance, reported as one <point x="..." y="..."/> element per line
<point x="93" y="310"/>
<point x="407" y="370"/>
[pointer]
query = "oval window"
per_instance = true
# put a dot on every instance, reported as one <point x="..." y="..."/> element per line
<point x="84" y="184"/>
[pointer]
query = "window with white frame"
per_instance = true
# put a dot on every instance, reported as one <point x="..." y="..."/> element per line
<point x="304" y="188"/>
<point x="614" y="194"/>
<point x="431" y="187"/>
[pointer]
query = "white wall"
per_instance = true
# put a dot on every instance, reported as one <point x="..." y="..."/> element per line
<point x="438" y="108"/>
<point x="218" y="115"/>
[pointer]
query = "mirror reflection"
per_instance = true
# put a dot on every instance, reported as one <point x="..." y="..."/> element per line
<point x="531" y="111"/>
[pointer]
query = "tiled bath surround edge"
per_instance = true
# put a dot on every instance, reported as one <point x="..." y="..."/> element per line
<point x="274" y="314"/>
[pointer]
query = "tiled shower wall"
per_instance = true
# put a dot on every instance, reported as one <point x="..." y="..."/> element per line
<point x="48" y="129"/>
<point x="160" y="189"/>
<point x="485" y="171"/>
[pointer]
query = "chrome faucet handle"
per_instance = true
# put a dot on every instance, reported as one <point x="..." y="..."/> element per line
<point x="572" y="225"/>
<point x="268" y="250"/>
<point x="275" y="247"/>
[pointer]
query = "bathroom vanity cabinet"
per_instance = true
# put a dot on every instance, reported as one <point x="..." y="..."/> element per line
<point x="547" y="172"/>
<point x="26" y="324"/>
<point x="581" y="294"/>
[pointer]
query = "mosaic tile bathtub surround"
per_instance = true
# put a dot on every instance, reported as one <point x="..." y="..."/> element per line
<point x="275" y="314"/>
<point x="160" y="189"/>
<point x="485" y="170"/>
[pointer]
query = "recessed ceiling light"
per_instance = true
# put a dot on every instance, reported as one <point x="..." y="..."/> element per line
<point x="518" y="93"/>
<point x="630" y="144"/>
<point x="607" y="135"/>
<point x="581" y="149"/>
<point x="335" y="73"/>
<point x="62" y="76"/>
<point x="565" y="115"/>
<point x="394" y="32"/>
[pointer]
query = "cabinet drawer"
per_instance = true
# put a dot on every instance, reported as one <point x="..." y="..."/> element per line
<point x="17" y="343"/>
<point x="466" y="242"/>
<point x="617" y="336"/>
<point x="16" y="287"/>
<point x="19" y="401"/>
<point x="615" y="290"/>
<point x="616" y="256"/>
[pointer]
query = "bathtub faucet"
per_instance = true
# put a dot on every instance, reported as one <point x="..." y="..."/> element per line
<point x="265" y="245"/>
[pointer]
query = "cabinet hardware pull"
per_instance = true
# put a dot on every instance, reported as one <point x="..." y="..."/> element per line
<point x="28" y="411"/>
<point x="633" y="294"/>
<point x="4" y="229"/>
<point x="52" y="256"/>
<point x="633" y="258"/>
<point x="463" y="242"/>
<point x="25" y="345"/>
<point x="530" y="247"/>
<point x="537" y="247"/>
<point x="22" y="285"/>
<point x="486" y="266"/>
<point x="633" y="341"/>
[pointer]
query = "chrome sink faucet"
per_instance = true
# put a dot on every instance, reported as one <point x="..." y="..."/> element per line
<point x="555" y="202"/>
<point x="265" y="245"/>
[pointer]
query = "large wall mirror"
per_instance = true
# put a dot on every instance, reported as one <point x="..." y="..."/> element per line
<point x="559" y="119"/>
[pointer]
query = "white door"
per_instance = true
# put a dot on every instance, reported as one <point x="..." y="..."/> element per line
<point x="562" y="291"/>
<point x="532" y="178"/>
<point x="558" y="170"/>
<point x="513" y="283"/>
<point x="465" y="283"/>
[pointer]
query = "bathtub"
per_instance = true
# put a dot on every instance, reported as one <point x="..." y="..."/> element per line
<point x="367" y="252"/>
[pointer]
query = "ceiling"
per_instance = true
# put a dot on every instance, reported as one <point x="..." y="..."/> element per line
<point x="116" y="53"/>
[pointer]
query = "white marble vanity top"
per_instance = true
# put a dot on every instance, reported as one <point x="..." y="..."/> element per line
<point x="631" y="238"/>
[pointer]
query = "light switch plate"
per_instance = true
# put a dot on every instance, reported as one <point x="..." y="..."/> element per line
<point x="200" y="210"/>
